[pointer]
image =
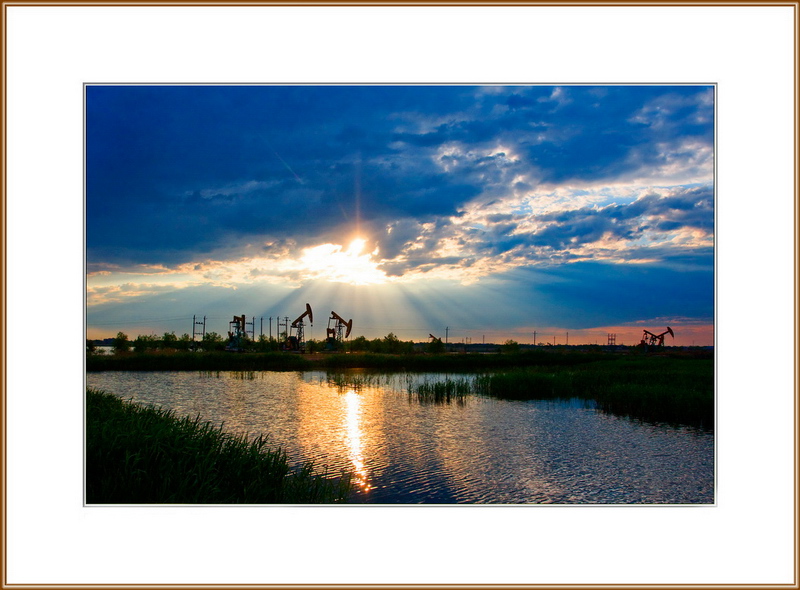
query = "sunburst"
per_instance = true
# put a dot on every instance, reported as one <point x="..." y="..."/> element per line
<point x="333" y="263"/>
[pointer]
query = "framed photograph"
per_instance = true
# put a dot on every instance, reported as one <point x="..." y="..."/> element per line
<point x="401" y="282"/>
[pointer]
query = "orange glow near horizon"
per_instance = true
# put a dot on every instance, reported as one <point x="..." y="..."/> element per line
<point x="685" y="335"/>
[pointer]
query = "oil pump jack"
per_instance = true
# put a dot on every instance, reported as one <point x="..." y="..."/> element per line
<point x="237" y="332"/>
<point x="335" y="337"/>
<point x="297" y="341"/>
<point x="657" y="340"/>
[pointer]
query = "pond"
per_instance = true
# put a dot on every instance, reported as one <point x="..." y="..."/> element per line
<point x="403" y="449"/>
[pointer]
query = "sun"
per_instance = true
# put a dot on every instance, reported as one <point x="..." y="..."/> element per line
<point x="356" y="246"/>
<point x="333" y="263"/>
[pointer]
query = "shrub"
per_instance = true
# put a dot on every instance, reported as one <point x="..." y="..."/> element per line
<point x="121" y="344"/>
<point x="145" y="343"/>
<point x="212" y="341"/>
<point x="169" y="340"/>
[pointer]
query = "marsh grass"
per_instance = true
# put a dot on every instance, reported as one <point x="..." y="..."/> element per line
<point x="675" y="391"/>
<point x="172" y="360"/>
<point x="143" y="455"/>
<point x="198" y="361"/>
<point x="427" y="392"/>
<point x="345" y="381"/>
<point x="441" y="392"/>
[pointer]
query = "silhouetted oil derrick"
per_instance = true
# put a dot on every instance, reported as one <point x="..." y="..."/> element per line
<point x="337" y="333"/>
<point x="650" y="340"/>
<point x="237" y="333"/>
<point x="296" y="342"/>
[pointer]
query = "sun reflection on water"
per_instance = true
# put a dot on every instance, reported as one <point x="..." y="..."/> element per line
<point x="354" y="440"/>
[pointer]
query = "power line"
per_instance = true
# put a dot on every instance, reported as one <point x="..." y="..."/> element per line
<point x="142" y="321"/>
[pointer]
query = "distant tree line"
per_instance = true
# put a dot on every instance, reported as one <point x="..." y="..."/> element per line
<point x="389" y="344"/>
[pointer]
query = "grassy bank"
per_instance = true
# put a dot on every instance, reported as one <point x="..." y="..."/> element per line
<point x="276" y="361"/>
<point x="138" y="455"/>
<point x="656" y="389"/>
<point x="197" y="361"/>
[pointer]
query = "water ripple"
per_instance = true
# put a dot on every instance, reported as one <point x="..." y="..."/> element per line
<point x="402" y="451"/>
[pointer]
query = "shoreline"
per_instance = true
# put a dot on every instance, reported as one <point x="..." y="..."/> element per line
<point x="170" y="360"/>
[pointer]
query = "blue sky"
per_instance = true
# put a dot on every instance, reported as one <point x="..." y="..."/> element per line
<point x="494" y="211"/>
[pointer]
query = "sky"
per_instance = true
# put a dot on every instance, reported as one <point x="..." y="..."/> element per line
<point x="473" y="213"/>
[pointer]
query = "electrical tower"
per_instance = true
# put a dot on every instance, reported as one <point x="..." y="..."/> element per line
<point x="252" y="324"/>
<point x="197" y="331"/>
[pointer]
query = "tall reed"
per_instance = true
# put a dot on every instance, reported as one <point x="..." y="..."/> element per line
<point x="143" y="455"/>
<point x="676" y="391"/>
<point x="441" y="392"/>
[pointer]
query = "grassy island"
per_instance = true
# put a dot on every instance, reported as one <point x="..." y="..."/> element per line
<point x="655" y="389"/>
<point x="143" y="455"/>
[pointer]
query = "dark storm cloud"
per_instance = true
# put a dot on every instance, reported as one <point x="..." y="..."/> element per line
<point x="399" y="235"/>
<point x="619" y="132"/>
<point x="422" y="264"/>
<point x="173" y="171"/>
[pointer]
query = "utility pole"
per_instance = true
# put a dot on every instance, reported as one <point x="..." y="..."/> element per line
<point x="270" y="327"/>
<point x="446" y="334"/>
<point x="567" y="338"/>
<point x="534" y="337"/>
<point x="195" y="331"/>
<point x="252" y="324"/>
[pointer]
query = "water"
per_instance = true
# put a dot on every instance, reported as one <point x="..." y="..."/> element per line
<point x="477" y="450"/>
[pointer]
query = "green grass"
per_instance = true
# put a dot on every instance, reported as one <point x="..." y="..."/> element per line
<point x="656" y="389"/>
<point x="345" y="381"/>
<point x="143" y="455"/>
<point x="441" y="392"/>
<point x="676" y="389"/>
<point x="173" y="360"/>
<point x="197" y="361"/>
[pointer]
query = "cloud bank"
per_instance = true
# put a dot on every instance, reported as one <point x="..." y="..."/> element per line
<point x="230" y="187"/>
